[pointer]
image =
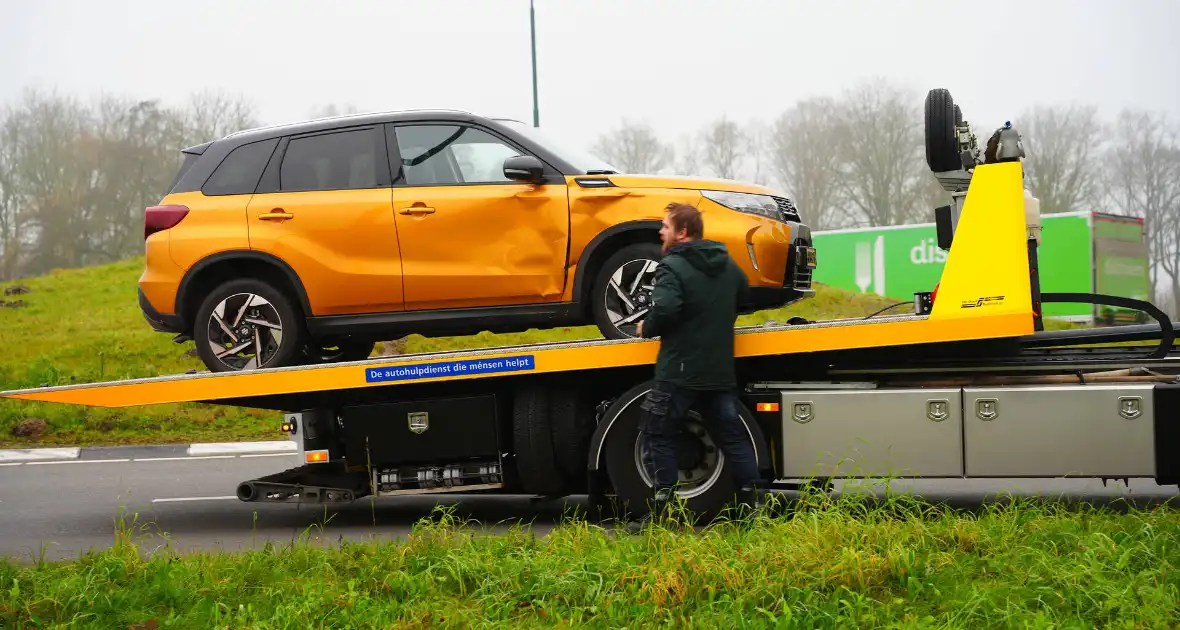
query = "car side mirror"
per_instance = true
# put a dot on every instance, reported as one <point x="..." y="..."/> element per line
<point x="523" y="168"/>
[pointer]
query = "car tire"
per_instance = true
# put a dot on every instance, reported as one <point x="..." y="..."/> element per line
<point x="941" y="118"/>
<point x="273" y="313"/>
<point x="714" y="491"/>
<point x="609" y="307"/>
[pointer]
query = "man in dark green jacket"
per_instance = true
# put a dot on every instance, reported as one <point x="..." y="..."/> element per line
<point x="694" y="307"/>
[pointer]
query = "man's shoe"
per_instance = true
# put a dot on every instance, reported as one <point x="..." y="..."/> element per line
<point x="659" y="509"/>
<point x="751" y="502"/>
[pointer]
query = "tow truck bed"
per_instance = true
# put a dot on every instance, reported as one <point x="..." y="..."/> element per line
<point x="281" y="384"/>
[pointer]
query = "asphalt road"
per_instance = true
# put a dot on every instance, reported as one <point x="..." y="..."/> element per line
<point x="63" y="508"/>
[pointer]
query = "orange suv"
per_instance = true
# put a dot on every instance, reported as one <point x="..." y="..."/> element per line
<point x="310" y="242"/>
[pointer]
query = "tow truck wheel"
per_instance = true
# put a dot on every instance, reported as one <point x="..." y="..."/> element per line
<point x="532" y="441"/>
<point x="622" y="290"/>
<point x="572" y="422"/>
<point x="942" y="142"/>
<point x="706" y="484"/>
<point x="247" y="324"/>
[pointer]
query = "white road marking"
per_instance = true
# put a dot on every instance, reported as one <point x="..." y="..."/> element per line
<point x="77" y="461"/>
<point x="146" y="459"/>
<point x="181" y="459"/>
<point x="180" y="499"/>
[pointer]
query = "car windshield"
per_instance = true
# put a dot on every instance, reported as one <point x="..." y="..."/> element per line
<point x="580" y="159"/>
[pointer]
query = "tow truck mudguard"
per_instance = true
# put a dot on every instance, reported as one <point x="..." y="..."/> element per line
<point x="1166" y="423"/>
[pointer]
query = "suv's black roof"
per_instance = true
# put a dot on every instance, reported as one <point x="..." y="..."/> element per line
<point x="331" y="122"/>
<point x="193" y="176"/>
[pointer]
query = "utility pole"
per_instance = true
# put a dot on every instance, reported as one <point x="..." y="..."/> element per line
<point x="533" y="34"/>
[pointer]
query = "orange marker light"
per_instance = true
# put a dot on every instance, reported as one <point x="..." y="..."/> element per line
<point x="315" y="457"/>
<point x="767" y="406"/>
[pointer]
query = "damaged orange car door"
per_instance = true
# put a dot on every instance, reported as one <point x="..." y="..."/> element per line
<point x="469" y="235"/>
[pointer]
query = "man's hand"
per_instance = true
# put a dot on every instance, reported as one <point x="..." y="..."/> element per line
<point x="639" y="329"/>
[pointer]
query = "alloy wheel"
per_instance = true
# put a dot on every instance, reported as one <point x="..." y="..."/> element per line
<point x="628" y="294"/>
<point x="245" y="331"/>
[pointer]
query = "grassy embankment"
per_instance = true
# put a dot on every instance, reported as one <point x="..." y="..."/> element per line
<point x="84" y="325"/>
<point x="842" y="563"/>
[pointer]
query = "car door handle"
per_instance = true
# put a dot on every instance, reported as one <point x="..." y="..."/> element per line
<point x="417" y="210"/>
<point x="605" y="195"/>
<point x="276" y="214"/>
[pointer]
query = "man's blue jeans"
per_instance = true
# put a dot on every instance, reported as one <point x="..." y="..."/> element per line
<point x="664" y="410"/>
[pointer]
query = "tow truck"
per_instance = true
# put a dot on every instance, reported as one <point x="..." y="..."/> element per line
<point x="967" y="385"/>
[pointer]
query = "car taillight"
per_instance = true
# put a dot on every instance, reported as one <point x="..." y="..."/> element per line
<point x="160" y="218"/>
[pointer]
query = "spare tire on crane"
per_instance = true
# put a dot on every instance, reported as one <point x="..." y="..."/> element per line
<point x="942" y="142"/>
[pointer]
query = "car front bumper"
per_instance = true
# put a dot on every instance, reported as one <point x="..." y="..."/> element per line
<point x="797" y="275"/>
<point x="801" y="263"/>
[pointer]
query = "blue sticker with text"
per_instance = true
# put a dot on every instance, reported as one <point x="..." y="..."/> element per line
<point x="450" y="368"/>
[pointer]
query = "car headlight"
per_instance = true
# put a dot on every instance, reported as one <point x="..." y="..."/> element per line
<point x="762" y="205"/>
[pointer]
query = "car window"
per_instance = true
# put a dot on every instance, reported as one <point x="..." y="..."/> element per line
<point x="239" y="172"/>
<point x="437" y="155"/>
<point x="333" y="161"/>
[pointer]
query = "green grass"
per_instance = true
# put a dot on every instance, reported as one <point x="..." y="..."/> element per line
<point x="824" y="563"/>
<point x="84" y="325"/>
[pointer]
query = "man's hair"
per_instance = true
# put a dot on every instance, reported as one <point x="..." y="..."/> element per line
<point x="684" y="216"/>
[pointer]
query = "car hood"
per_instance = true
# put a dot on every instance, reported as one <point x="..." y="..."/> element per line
<point x="690" y="183"/>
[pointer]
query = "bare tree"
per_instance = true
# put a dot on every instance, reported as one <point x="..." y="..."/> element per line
<point x="688" y="156"/>
<point x="880" y="144"/>
<point x="1144" y="181"/>
<point x="635" y="148"/>
<point x="50" y="151"/>
<point x="804" y="162"/>
<point x="758" y="139"/>
<point x="11" y="218"/>
<point x="1064" y="145"/>
<point x="330" y="110"/>
<point x="139" y="143"/>
<point x="75" y="177"/>
<point x="213" y="114"/>
<point x="724" y="144"/>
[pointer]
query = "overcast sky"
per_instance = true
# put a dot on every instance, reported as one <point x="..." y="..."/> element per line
<point x="673" y="64"/>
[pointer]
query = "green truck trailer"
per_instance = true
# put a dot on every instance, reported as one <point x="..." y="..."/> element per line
<point x="1080" y="252"/>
